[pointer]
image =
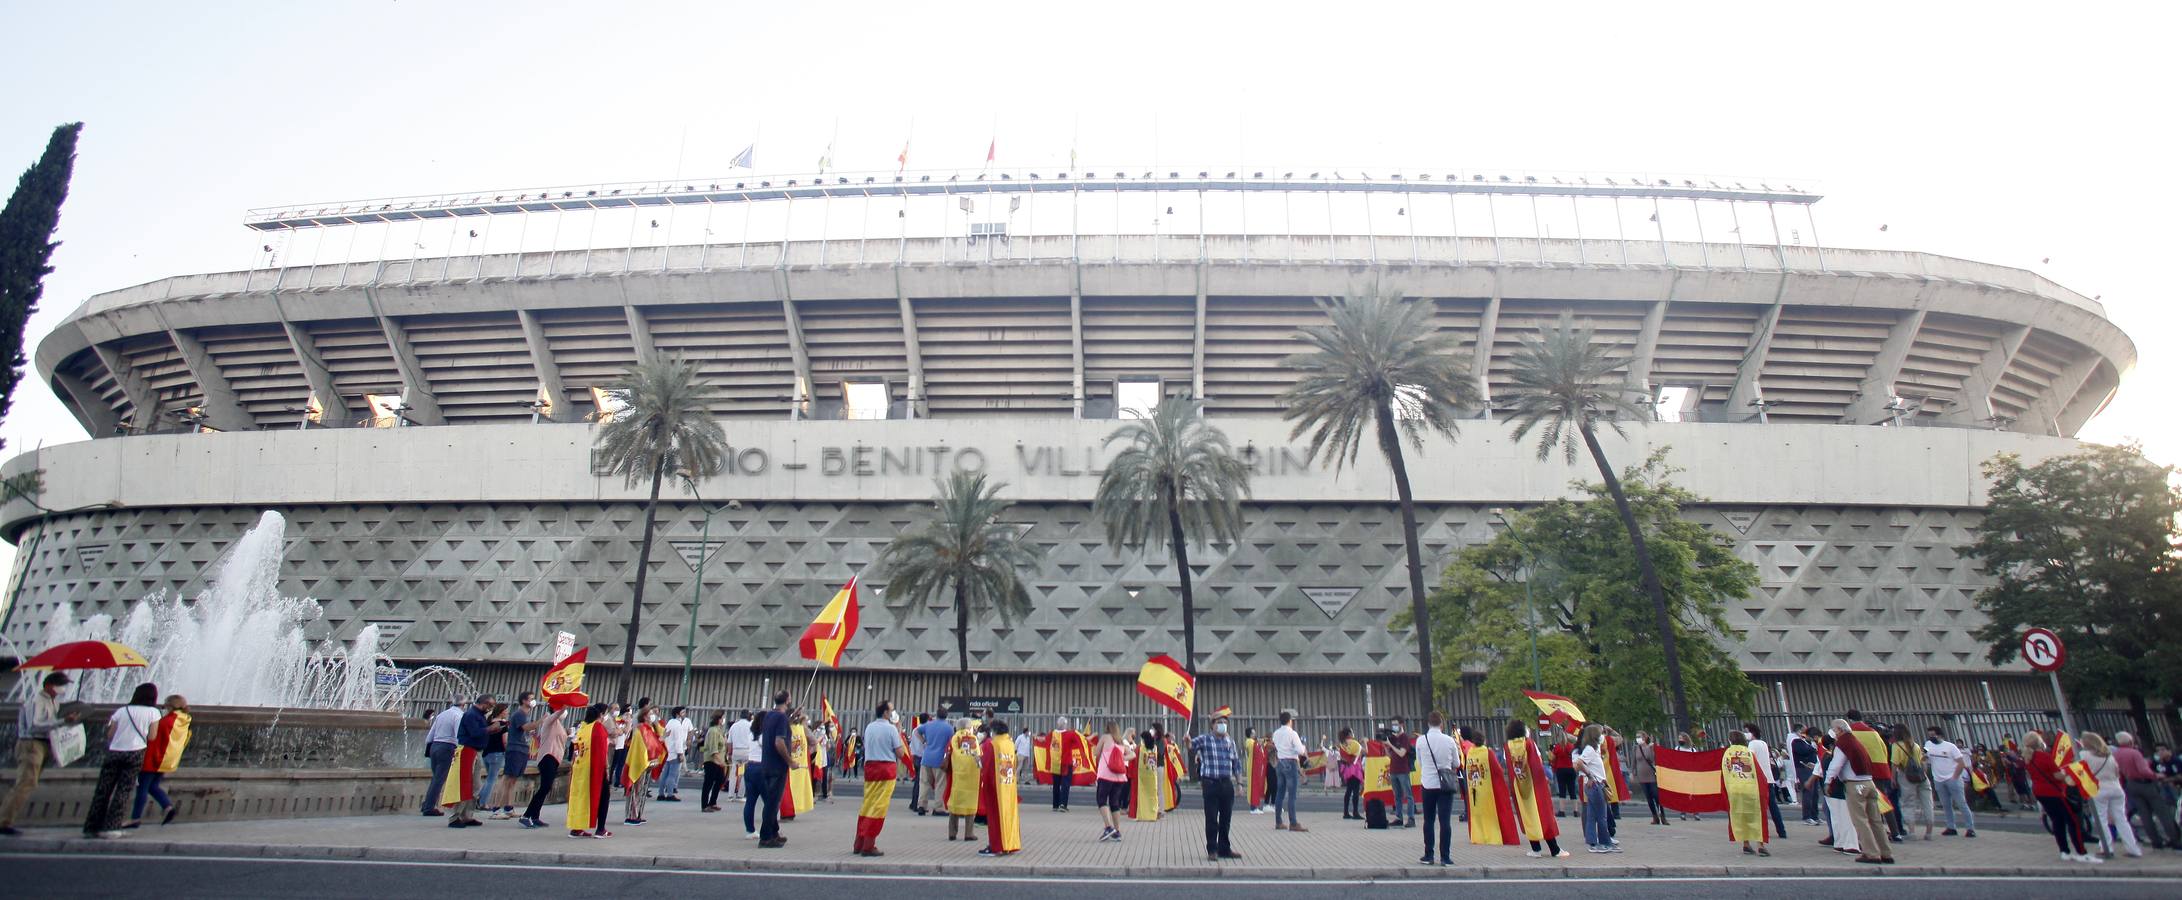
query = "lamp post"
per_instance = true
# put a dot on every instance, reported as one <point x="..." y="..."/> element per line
<point x="697" y="590"/>
<point x="1530" y="567"/>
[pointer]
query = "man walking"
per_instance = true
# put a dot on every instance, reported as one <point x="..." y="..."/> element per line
<point x="1289" y="750"/>
<point x="1764" y="754"/>
<point x="882" y="764"/>
<point x="1950" y="779"/>
<point x="740" y="743"/>
<point x="2141" y="784"/>
<point x="770" y="775"/>
<point x="1215" y="759"/>
<point x="676" y="734"/>
<point x="932" y="763"/>
<point x="1401" y="753"/>
<point x="1852" y="765"/>
<point x="1062" y="747"/>
<point x="439" y="749"/>
<point x="34" y="724"/>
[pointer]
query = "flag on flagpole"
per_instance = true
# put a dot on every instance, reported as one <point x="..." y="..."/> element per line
<point x="902" y="162"/>
<point x="991" y="150"/>
<point x="1561" y="710"/>
<point x="743" y="159"/>
<point x="825" y="714"/>
<point x="1163" y="680"/>
<point x="825" y="160"/>
<point x="828" y="635"/>
<point x="565" y="679"/>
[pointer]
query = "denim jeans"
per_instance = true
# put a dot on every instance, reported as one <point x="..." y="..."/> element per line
<point x="493" y="763"/>
<point x="1438" y="807"/>
<point x="148" y="788"/>
<point x="442" y="755"/>
<point x="1291" y="776"/>
<point x="670" y="778"/>
<point x="1814" y="799"/>
<point x="1594" y="815"/>
<point x="1405" y="804"/>
<point x="1951" y="796"/>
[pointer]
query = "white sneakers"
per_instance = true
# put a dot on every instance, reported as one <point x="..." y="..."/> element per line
<point x="2085" y="858"/>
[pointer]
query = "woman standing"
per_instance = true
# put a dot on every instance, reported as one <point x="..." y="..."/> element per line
<point x="715" y="756"/>
<point x="2050" y="785"/>
<point x="1530" y="796"/>
<point x="1912" y="780"/>
<point x="1748" y="793"/>
<point x="1113" y="755"/>
<point x="1644" y="770"/>
<point x="797" y="798"/>
<point x="1840" y="831"/>
<point x="1351" y="760"/>
<point x="162" y="755"/>
<point x="1591" y="773"/>
<point x="2111" y="804"/>
<point x="1149" y="799"/>
<point x="997" y="798"/>
<point x="515" y="759"/>
<point x="590" y="774"/>
<point x="962" y="775"/>
<point x="1683" y="743"/>
<point x="552" y="735"/>
<point x="494" y="759"/>
<point x="645" y="752"/>
<point x="128" y="732"/>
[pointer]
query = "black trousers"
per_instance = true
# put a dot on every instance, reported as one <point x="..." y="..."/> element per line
<point x="1219" y="813"/>
<point x="1060" y="789"/>
<point x="2061" y="820"/>
<point x="1439" y="809"/>
<point x="548" y="767"/>
<point x="715" y="780"/>
<point x="615" y="762"/>
<point x="769" y="785"/>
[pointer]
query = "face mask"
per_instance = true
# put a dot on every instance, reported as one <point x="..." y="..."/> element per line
<point x="893" y="717"/>
<point x="530" y="704"/>
<point x="1396" y="729"/>
<point x="1220" y="728"/>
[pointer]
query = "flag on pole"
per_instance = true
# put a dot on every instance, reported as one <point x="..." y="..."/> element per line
<point x="565" y="679"/>
<point x="902" y="162"/>
<point x="991" y="150"/>
<point x="1164" y="680"/>
<point x="825" y="713"/>
<point x="825" y="160"/>
<point x="1560" y="710"/>
<point x="1690" y="782"/>
<point x="828" y="635"/>
<point x="743" y="159"/>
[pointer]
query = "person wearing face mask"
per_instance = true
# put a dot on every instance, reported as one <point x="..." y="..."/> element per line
<point x="674" y="738"/>
<point x="883" y="754"/>
<point x="1214" y="759"/>
<point x="514" y="759"/>
<point x="640" y="765"/>
<point x="1401" y="752"/>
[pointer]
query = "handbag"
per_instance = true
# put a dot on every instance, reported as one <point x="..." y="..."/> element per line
<point x="67" y="742"/>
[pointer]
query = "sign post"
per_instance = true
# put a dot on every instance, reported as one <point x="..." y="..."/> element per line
<point x="2045" y="653"/>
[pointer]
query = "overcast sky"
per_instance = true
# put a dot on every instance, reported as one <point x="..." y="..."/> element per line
<point x="2001" y="134"/>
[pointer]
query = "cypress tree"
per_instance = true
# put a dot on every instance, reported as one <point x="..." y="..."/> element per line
<point x="26" y="248"/>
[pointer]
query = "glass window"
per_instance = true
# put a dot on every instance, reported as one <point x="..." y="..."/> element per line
<point x="864" y="399"/>
<point x="1135" y="398"/>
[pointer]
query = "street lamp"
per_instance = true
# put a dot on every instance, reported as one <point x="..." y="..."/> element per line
<point x="697" y="589"/>
<point x="1530" y="567"/>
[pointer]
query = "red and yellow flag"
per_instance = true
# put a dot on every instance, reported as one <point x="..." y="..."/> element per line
<point x="1165" y="681"/>
<point x="825" y="712"/>
<point x="1560" y="710"/>
<point x="828" y="635"/>
<point x="1378" y="777"/>
<point x="1689" y="781"/>
<point x="1492" y="814"/>
<point x="566" y="677"/>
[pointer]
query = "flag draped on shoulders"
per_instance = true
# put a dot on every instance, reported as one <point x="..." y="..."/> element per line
<point x="1689" y="781"/>
<point x="1257" y="763"/>
<point x="1530" y="792"/>
<point x="1746" y="788"/>
<point x="644" y="749"/>
<point x="997" y="799"/>
<point x="164" y="752"/>
<point x="962" y="771"/>
<point x="1617" y="784"/>
<point x="799" y="773"/>
<point x="461" y="784"/>
<point x="587" y="776"/>
<point x="1492" y="816"/>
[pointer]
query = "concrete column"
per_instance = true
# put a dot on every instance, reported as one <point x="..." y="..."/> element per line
<point x="1481" y="356"/>
<point x="1746" y="375"/>
<point x="2044" y="414"/>
<point x="1075" y="339"/>
<point x="796" y="350"/>
<point x="416" y="390"/>
<point x="1639" y="380"/>
<point x="223" y="410"/>
<point x="917" y="409"/>
<point x="1877" y="388"/>
<point x="2092" y="397"/>
<point x="1197" y="338"/>
<point x="640" y="333"/>
<point x="318" y="377"/>
<point x="549" y="372"/>
<point x="1977" y="387"/>
<point x="143" y="402"/>
<point x="90" y="409"/>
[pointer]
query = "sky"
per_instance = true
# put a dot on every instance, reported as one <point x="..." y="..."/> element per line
<point x="2020" y="135"/>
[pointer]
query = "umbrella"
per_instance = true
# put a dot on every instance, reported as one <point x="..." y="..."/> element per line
<point x="86" y="655"/>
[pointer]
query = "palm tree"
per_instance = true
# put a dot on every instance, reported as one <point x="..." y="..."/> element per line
<point x="962" y="546"/>
<point x="1380" y="363"/>
<point x="1177" y="479"/>
<point x="1565" y="386"/>
<point x="667" y="428"/>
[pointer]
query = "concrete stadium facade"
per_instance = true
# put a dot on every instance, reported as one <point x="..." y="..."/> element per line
<point x="477" y="533"/>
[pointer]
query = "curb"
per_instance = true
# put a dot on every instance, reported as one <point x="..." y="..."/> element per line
<point x="856" y="867"/>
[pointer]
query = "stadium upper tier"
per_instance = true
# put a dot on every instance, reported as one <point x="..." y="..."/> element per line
<point x="989" y="325"/>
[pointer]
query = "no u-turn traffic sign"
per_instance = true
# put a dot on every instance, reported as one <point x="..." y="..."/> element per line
<point x="2043" y="650"/>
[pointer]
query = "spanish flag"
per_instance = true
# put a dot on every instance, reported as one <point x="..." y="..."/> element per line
<point x="829" y="634"/>
<point x="1529" y="792"/>
<point x="1165" y="681"/>
<point x="566" y="677"/>
<point x="1561" y="710"/>
<point x="825" y="712"/>
<point x="1492" y="816"/>
<point x="1378" y="781"/>
<point x="1314" y="763"/>
<point x="1617" y="788"/>
<point x="1689" y="781"/>
<point x="1978" y="782"/>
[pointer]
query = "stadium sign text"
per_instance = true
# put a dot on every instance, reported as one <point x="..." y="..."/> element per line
<point x="869" y="461"/>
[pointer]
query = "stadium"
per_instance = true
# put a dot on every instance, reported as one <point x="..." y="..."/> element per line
<point x="422" y="415"/>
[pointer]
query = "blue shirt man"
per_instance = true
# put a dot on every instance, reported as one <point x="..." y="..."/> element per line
<point x="936" y="733"/>
<point x="772" y="733"/>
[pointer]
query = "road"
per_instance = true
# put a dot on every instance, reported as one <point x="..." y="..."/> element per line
<point x="122" y="877"/>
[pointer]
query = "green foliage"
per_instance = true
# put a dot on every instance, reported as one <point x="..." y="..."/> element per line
<point x="1378" y="351"/>
<point x="963" y="552"/>
<point x="668" y="426"/>
<point x="2084" y="544"/>
<point x="1171" y="462"/>
<point x="1562" y="383"/>
<point x="1598" y="643"/>
<point x="26" y="248"/>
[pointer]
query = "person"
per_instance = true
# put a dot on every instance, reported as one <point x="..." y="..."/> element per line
<point x="494" y="757"/>
<point x="1437" y="758"/>
<point x="714" y="752"/>
<point x="1912" y="779"/>
<point x="472" y="733"/>
<point x="552" y="747"/>
<point x="997" y="799"/>
<point x="799" y="767"/>
<point x="1064" y="745"/>
<point x="1214" y="758"/>
<point x="1803" y="754"/>
<point x="675" y="733"/>
<point x="162" y="754"/>
<point x="742" y="747"/>
<point x="937" y="737"/>
<point x="1852" y="767"/>
<point x="1683" y="743"/>
<point x="643" y="754"/>
<point x="1350" y="755"/>
<point x="2049" y="783"/>
<point x="1146" y="800"/>
<point x="1401" y="751"/>
<point x="590" y="771"/>
<point x="1644" y="770"/>
<point x="1112" y="758"/>
<point x="619" y="726"/>
<point x="1530" y="796"/>
<point x="1755" y="742"/>
<point x="821" y="773"/>
<point x="515" y="757"/>
<point x="1288" y="751"/>
<point x="2019" y="778"/>
<point x="2141" y="784"/>
<point x="1565" y="794"/>
<point x="883" y="753"/>
<point x="439" y="751"/>
<point x="1748" y="791"/>
<point x="1254" y="777"/>
<point x="35" y="720"/>
<point x="769" y="777"/>
<point x="1949" y="774"/>
<point x="1591" y="785"/>
<point x="128" y="733"/>
<point x="961" y="787"/>
<point x="2110" y="806"/>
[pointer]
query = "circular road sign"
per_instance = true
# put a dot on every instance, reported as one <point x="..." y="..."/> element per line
<point x="2043" y="650"/>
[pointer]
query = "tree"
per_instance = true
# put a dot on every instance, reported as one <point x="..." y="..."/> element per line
<point x="2084" y="544"/>
<point x="1178" y="479"/>
<point x="1381" y="365"/>
<point x="1564" y="386"/>
<point x="26" y="247"/>
<point x="666" y="428"/>
<point x="1595" y="646"/>
<point x="962" y="550"/>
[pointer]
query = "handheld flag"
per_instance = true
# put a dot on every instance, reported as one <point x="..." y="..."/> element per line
<point x="1560" y="710"/>
<point x="742" y="160"/>
<point x="825" y="714"/>
<point x="1690" y="782"/>
<point x="828" y="635"/>
<point x="1163" y="680"/>
<point x="565" y="679"/>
